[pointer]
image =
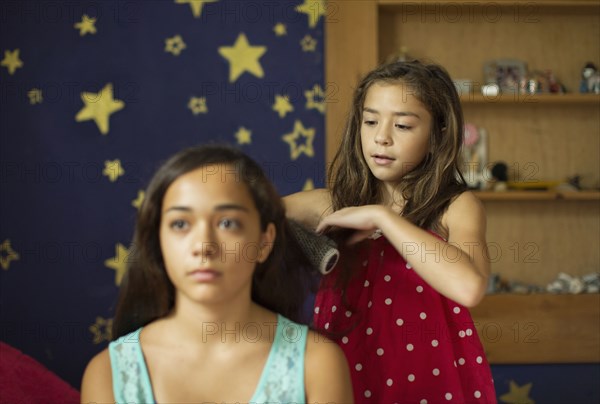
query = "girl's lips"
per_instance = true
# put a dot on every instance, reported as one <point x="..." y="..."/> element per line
<point x="382" y="160"/>
<point x="204" y="275"/>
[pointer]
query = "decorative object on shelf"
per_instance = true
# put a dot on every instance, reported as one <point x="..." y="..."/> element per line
<point x="474" y="156"/>
<point x="508" y="74"/>
<point x="540" y="82"/>
<point x="590" y="79"/>
<point x="464" y="86"/>
<point x="566" y="283"/>
<point x="499" y="176"/>
<point x="490" y="90"/>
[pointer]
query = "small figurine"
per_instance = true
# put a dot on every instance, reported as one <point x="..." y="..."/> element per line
<point x="590" y="79"/>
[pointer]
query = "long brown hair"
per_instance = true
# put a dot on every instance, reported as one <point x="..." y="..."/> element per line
<point x="281" y="283"/>
<point x="429" y="188"/>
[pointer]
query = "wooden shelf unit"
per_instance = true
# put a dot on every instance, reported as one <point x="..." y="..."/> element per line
<point x="532" y="235"/>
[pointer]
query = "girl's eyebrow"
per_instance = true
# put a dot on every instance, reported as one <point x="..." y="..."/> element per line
<point x="399" y="113"/>
<point x="225" y="206"/>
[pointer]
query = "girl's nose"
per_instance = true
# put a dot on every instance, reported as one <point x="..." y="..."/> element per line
<point x="382" y="136"/>
<point x="204" y="243"/>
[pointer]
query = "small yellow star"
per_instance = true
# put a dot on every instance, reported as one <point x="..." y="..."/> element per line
<point x="113" y="169"/>
<point x="315" y="98"/>
<point x="7" y="254"/>
<point x="198" y="105"/>
<point x="517" y="395"/>
<point x="11" y="61"/>
<point x="291" y="138"/>
<point x="243" y="136"/>
<point x="308" y="185"/>
<point x="102" y="329"/>
<point x="308" y="43"/>
<point x="99" y="107"/>
<point x="282" y="105"/>
<point x="86" y="26"/>
<point x="137" y="203"/>
<point x="243" y="57"/>
<point x="280" y="29"/>
<point x="174" y="45"/>
<point x="196" y="5"/>
<point x="119" y="262"/>
<point x="313" y="9"/>
<point x="35" y="96"/>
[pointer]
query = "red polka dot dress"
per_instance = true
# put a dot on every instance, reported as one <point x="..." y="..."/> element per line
<point x="405" y="342"/>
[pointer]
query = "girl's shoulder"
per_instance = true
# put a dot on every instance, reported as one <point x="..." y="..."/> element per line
<point x="96" y="385"/>
<point x="308" y="207"/>
<point x="466" y="209"/>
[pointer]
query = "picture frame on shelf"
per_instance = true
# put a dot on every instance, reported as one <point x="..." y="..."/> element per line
<point x="507" y="74"/>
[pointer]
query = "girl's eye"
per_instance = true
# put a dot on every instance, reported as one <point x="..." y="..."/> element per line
<point x="229" y="224"/>
<point x="369" y="122"/>
<point x="179" y="224"/>
<point x="403" y="127"/>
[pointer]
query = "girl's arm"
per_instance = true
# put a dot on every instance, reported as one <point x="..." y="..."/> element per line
<point x="308" y="207"/>
<point x="326" y="373"/>
<point x="458" y="268"/>
<point x="96" y="386"/>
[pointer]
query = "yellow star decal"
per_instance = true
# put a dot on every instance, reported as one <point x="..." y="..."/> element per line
<point x="11" y="61"/>
<point x="517" y="394"/>
<point x="243" y="58"/>
<point x="86" y="26"/>
<point x="174" y="45"/>
<point x="315" y="98"/>
<point x="113" y="169"/>
<point x="308" y="185"/>
<point x="102" y="329"/>
<point x="282" y="105"/>
<point x="196" y="5"/>
<point x="119" y="262"/>
<point x="243" y="136"/>
<point x="35" y="96"/>
<point x="280" y="29"/>
<point x="308" y="43"/>
<point x="313" y="9"/>
<point x="198" y="105"/>
<point x="137" y="203"/>
<point x="7" y="254"/>
<point x="99" y="107"/>
<point x="292" y="138"/>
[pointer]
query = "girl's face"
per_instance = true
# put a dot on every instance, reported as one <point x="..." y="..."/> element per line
<point x="394" y="131"/>
<point x="210" y="236"/>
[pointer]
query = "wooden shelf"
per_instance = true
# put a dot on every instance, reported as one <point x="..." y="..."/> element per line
<point x="538" y="195"/>
<point x="533" y="99"/>
<point x="539" y="328"/>
<point x="500" y="3"/>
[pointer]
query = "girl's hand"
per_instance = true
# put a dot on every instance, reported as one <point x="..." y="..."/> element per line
<point x="364" y="219"/>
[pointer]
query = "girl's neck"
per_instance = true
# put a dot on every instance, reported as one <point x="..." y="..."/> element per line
<point x="391" y="197"/>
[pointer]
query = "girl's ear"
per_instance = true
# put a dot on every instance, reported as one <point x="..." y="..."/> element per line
<point x="266" y="243"/>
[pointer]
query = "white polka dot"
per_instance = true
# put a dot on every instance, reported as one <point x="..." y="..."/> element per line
<point x="411" y="378"/>
<point x="423" y="316"/>
<point x="410" y="347"/>
<point x="456" y="310"/>
<point x="399" y="321"/>
<point x="380" y="351"/>
<point x="461" y="334"/>
<point x="348" y="313"/>
<point x="419" y="289"/>
<point x="469" y="332"/>
<point x="317" y="310"/>
<point x="436" y="372"/>
<point x="345" y="340"/>
<point x="333" y="309"/>
<point x="358" y="367"/>
<point x="370" y="304"/>
<point x="365" y="262"/>
<point x="423" y="401"/>
<point x="389" y="382"/>
<point x="366" y="284"/>
<point x="381" y="253"/>
<point x="388" y="301"/>
<point x="477" y="394"/>
<point x="434" y="343"/>
<point x="369" y="331"/>
<point x="408" y="266"/>
<point x="387" y="278"/>
<point x="479" y="359"/>
<point x="448" y="396"/>
<point x="461" y="361"/>
<point x="367" y="393"/>
<point x="326" y="326"/>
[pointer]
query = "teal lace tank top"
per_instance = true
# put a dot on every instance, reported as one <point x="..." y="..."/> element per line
<point x="281" y="381"/>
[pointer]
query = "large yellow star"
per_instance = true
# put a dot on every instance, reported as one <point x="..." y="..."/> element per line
<point x="282" y="105"/>
<point x="313" y="9"/>
<point x="119" y="262"/>
<point x="291" y="139"/>
<point x="243" y="136"/>
<point x="7" y="254"/>
<point x="517" y="395"/>
<point x="196" y="5"/>
<point x="242" y="57"/>
<point x="11" y="61"/>
<point x="102" y="329"/>
<point x="315" y="99"/>
<point x="86" y="26"/>
<point x="99" y="106"/>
